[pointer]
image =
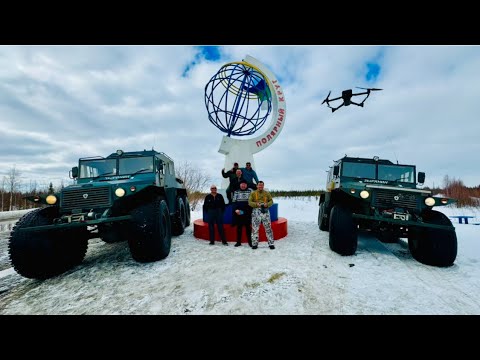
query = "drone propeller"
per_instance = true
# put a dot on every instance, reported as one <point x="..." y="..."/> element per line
<point x="372" y="89"/>
<point x="326" y="99"/>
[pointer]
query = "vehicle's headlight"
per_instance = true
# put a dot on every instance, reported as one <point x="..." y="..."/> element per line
<point x="119" y="192"/>
<point x="364" y="194"/>
<point x="51" y="199"/>
<point x="429" y="201"/>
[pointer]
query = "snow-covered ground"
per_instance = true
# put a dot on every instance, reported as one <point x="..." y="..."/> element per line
<point x="301" y="276"/>
<point x="7" y="215"/>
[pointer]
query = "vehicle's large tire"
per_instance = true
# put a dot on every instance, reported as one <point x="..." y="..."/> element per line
<point x="187" y="213"/>
<point x="322" y="220"/>
<point x="180" y="218"/>
<point x="74" y="244"/>
<point x="150" y="234"/>
<point x="343" y="236"/>
<point x="432" y="246"/>
<point x="41" y="255"/>
<point x="112" y="233"/>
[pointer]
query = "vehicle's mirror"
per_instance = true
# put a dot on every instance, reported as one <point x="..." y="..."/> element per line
<point x="160" y="166"/>
<point x="74" y="172"/>
<point x="336" y="170"/>
<point x="421" y="177"/>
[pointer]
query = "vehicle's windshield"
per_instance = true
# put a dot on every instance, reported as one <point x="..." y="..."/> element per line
<point x="358" y="170"/>
<point x="133" y="165"/>
<point x="98" y="167"/>
<point x="385" y="172"/>
<point x="396" y="173"/>
<point x="108" y="167"/>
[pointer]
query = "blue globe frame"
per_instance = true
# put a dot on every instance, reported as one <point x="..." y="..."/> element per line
<point x="238" y="99"/>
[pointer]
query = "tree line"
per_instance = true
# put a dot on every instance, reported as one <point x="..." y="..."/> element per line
<point x="456" y="189"/>
<point x="13" y="190"/>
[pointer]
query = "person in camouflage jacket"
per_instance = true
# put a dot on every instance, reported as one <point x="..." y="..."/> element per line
<point x="260" y="200"/>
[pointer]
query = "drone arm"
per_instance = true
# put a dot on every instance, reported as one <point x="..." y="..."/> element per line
<point x="338" y="107"/>
<point x="366" y="97"/>
<point x="337" y="98"/>
<point x="327" y="100"/>
<point x="361" y="93"/>
<point x="358" y="104"/>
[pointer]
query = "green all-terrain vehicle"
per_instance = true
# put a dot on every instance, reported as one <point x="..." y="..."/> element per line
<point x="132" y="196"/>
<point x="382" y="197"/>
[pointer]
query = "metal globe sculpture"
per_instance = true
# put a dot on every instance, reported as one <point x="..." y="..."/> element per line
<point x="238" y="99"/>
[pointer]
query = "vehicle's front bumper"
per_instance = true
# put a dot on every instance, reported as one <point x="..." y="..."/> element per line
<point x="73" y="224"/>
<point x="402" y="222"/>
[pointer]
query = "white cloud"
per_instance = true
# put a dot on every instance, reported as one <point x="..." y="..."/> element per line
<point x="91" y="100"/>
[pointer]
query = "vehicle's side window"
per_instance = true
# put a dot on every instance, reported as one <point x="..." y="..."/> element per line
<point x="158" y="162"/>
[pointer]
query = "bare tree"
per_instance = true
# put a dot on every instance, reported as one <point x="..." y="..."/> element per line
<point x="195" y="181"/>
<point x="32" y="190"/>
<point x="4" y="181"/>
<point x="43" y="188"/>
<point x="13" y="182"/>
<point x="32" y="187"/>
<point x="447" y="182"/>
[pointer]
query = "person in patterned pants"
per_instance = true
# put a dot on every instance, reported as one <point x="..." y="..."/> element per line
<point x="260" y="200"/>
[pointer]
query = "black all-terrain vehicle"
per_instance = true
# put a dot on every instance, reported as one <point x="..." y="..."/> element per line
<point x="131" y="196"/>
<point x="382" y="197"/>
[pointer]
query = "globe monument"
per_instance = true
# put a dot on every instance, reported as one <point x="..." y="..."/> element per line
<point x="240" y="98"/>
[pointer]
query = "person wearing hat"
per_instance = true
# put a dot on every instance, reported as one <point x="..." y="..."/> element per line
<point x="242" y="212"/>
<point x="230" y="174"/>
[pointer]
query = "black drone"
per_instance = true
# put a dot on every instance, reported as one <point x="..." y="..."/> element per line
<point x="347" y="97"/>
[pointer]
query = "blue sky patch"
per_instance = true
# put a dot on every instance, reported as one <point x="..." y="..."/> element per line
<point x="209" y="53"/>
<point x="373" y="69"/>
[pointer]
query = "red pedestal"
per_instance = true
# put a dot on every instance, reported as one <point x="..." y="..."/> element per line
<point x="200" y="231"/>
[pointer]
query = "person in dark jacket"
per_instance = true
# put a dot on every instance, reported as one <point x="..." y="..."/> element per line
<point x="235" y="183"/>
<point x="242" y="212"/>
<point x="249" y="174"/>
<point x="230" y="174"/>
<point x="214" y="207"/>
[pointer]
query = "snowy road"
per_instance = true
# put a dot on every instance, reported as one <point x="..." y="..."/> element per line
<point x="301" y="276"/>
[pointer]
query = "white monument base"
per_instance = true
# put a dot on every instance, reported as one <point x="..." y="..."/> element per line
<point x="235" y="151"/>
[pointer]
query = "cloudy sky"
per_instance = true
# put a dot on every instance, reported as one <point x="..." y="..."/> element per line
<point x="59" y="103"/>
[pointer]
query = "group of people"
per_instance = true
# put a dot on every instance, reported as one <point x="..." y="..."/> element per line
<point x="250" y="203"/>
<point x="236" y="175"/>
